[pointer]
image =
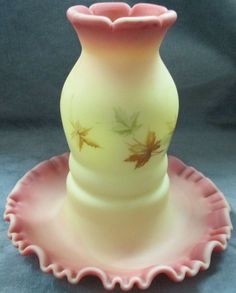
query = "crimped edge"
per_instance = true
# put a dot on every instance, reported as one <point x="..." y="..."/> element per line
<point x="76" y="14"/>
<point x="216" y="242"/>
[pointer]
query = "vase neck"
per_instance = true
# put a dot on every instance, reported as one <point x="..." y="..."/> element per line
<point x="142" y="40"/>
<point x="116" y="29"/>
<point x="130" y="60"/>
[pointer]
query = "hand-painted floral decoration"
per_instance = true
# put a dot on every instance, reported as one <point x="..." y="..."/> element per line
<point x="80" y="134"/>
<point x="142" y="152"/>
<point x="125" y="124"/>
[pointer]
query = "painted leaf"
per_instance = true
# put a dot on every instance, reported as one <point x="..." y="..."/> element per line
<point x="171" y="127"/>
<point x="80" y="135"/>
<point x="142" y="152"/>
<point x="125" y="124"/>
<point x="91" y="143"/>
<point x="140" y="159"/>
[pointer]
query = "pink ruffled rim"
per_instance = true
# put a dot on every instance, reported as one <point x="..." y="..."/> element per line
<point x="119" y="15"/>
<point x="200" y="256"/>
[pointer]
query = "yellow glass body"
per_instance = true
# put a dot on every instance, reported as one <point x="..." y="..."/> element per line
<point x="119" y="113"/>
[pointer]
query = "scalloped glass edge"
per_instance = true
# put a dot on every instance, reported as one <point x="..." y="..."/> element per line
<point x="218" y="241"/>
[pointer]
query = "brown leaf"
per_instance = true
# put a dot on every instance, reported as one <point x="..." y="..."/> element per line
<point x="84" y="131"/>
<point x="137" y="148"/>
<point x="80" y="134"/>
<point x="81" y="143"/>
<point x="141" y="153"/>
<point x="132" y="158"/>
<point x="139" y="159"/>
<point x="151" y="137"/>
<point x="91" y="143"/>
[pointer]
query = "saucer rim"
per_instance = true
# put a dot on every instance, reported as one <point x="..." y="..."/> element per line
<point x="218" y="241"/>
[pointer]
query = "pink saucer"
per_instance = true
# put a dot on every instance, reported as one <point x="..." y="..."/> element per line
<point x="33" y="210"/>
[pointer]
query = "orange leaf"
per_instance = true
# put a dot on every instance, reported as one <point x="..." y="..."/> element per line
<point x="84" y="131"/>
<point x="137" y="148"/>
<point x="79" y="133"/>
<point x="81" y="143"/>
<point x="91" y="143"/>
<point x="141" y="153"/>
<point x="140" y="160"/>
<point x="132" y="158"/>
<point x="151" y="137"/>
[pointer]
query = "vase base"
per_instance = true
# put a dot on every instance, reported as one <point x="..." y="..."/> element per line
<point x="201" y="224"/>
